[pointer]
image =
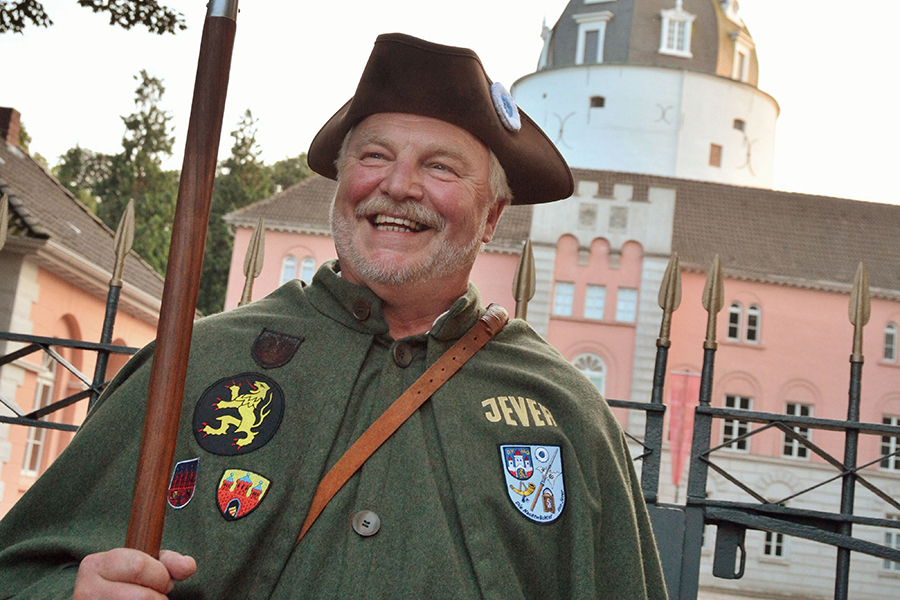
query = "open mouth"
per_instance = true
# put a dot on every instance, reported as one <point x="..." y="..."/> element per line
<point x="387" y="223"/>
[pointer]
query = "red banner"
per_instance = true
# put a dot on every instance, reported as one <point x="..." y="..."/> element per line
<point x="684" y="396"/>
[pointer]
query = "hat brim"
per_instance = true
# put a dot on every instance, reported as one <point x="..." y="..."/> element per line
<point x="408" y="75"/>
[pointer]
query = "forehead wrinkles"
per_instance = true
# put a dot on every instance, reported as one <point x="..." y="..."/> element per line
<point x="430" y="149"/>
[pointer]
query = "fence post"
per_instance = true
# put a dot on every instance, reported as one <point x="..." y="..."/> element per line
<point x="713" y="300"/>
<point x="860" y="309"/>
<point x="123" y="241"/>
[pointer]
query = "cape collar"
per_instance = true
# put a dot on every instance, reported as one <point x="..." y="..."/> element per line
<point x="358" y="308"/>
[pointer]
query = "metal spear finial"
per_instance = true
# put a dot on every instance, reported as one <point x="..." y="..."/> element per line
<point x="860" y="310"/>
<point x="4" y="219"/>
<point x="524" y="281"/>
<point x="123" y="242"/>
<point x="669" y="299"/>
<point x="253" y="261"/>
<point x="713" y="301"/>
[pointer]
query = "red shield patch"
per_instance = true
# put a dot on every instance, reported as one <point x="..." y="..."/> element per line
<point x="240" y="492"/>
<point x="181" y="486"/>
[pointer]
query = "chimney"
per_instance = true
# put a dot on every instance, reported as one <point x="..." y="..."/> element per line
<point x="9" y="125"/>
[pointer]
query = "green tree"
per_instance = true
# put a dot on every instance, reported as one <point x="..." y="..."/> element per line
<point x="288" y="171"/>
<point x="136" y="172"/>
<point x="16" y="15"/>
<point x="111" y="180"/>
<point x="242" y="179"/>
<point x="81" y="171"/>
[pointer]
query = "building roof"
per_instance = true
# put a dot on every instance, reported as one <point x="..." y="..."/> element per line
<point x="305" y="207"/>
<point x="632" y="36"/>
<point x="45" y="215"/>
<point x="773" y="236"/>
<point x="302" y="208"/>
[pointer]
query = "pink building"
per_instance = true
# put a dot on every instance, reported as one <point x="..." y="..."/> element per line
<point x="55" y="267"/>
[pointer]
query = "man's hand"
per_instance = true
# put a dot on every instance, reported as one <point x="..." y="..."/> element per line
<point x="124" y="573"/>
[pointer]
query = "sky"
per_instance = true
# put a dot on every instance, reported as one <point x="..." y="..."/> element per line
<point x="295" y="63"/>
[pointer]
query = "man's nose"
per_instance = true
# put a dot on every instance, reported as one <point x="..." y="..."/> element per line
<point x="403" y="181"/>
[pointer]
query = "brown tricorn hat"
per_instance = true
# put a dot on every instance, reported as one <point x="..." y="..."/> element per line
<point x="409" y="75"/>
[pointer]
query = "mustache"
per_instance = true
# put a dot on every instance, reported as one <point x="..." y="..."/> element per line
<point x="404" y="210"/>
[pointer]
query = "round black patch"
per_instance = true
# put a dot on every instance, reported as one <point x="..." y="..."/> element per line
<point x="238" y="414"/>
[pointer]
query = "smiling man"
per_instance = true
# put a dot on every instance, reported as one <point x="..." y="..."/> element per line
<point x="509" y="480"/>
<point x="413" y="207"/>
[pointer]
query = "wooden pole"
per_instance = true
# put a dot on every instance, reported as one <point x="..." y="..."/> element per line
<point x="182" y="279"/>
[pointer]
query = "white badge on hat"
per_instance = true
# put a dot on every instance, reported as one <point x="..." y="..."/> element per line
<point x="506" y="107"/>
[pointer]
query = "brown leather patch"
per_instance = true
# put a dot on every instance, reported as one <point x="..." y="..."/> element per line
<point x="274" y="349"/>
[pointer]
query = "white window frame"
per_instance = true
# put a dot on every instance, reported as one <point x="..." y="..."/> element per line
<point x="626" y="305"/>
<point x="754" y="321"/>
<point x="288" y="268"/>
<point x="735" y="322"/>
<point x="591" y="22"/>
<point x="593" y="367"/>
<point x="889" y="445"/>
<point x="735" y="428"/>
<point x="890" y="342"/>
<point x="669" y="35"/>
<point x="791" y="447"/>
<point x="892" y="540"/>
<point x="307" y="269"/>
<point x="743" y="45"/>
<point x="773" y="545"/>
<point x="594" y="301"/>
<point x="563" y="298"/>
<point x="37" y="436"/>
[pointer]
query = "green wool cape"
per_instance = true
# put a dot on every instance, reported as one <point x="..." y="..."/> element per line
<point x="320" y="366"/>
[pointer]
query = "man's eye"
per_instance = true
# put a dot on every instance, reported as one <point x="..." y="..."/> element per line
<point x="375" y="155"/>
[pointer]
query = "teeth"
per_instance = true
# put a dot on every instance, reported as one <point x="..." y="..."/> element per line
<point x="387" y="223"/>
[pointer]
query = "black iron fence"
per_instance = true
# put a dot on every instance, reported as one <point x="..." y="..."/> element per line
<point x="123" y="241"/>
<point x="680" y="528"/>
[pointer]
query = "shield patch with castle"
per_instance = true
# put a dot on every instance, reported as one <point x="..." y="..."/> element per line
<point x="534" y="480"/>
<point x="518" y="461"/>
<point x="240" y="492"/>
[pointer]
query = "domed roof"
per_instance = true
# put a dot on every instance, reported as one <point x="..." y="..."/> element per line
<point x="698" y="35"/>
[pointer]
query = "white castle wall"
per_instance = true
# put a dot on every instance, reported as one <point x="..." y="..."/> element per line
<point x="654" y="120"/>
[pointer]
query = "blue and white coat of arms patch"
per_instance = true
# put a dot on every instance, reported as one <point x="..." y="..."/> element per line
<point x="534" y="480"/>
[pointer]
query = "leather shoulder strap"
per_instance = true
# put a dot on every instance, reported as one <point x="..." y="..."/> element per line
<point x="493" y="320"/>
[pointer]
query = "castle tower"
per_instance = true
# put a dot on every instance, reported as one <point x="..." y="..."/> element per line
<point x="659" y="87"/>
<point x="623" y="87"/>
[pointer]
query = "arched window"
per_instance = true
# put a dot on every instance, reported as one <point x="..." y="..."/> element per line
<point x="735" y="313"/>
<point x="754" y="312"/>
<point x="288" y="269"/>
<point x="307" y="269"/>
<point x="594" y="369"/>
<point x="890" y="342"/>
<point x="890" y="444"/>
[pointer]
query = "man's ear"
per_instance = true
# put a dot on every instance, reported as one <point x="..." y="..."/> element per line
<point x="492" y="217"/>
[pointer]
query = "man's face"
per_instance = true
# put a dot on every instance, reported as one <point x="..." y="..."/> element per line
<point x="413" y="202"/>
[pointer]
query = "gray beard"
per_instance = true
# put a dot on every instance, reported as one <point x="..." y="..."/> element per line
<point x="446" y="260"/>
